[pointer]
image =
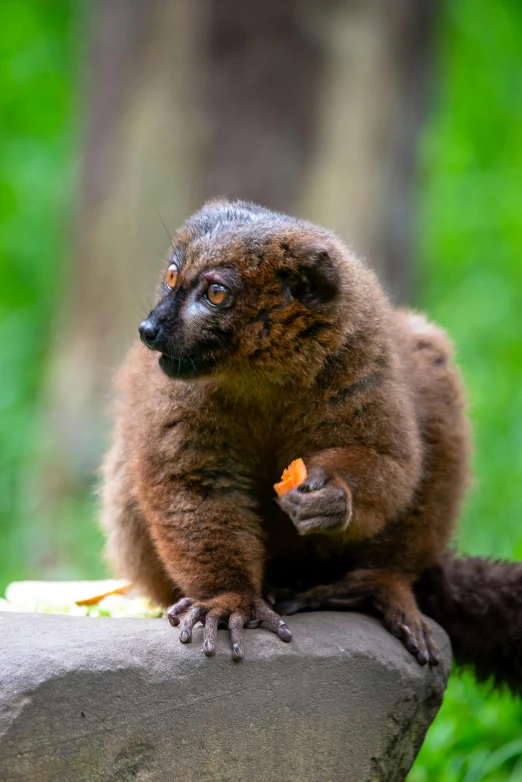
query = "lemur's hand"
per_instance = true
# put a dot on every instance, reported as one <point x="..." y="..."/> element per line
<point x="230" y="609"/>
<point x="319" y="504"/>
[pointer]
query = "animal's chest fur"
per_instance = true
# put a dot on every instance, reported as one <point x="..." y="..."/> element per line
<point x="272" y="439"/>
<point x="298" y="562"/>
<point x="258" y="439"/>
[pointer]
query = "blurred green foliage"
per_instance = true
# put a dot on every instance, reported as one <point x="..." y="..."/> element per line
<point x="470" y="238"/>
<point x="39" y="76"/>
<point x="471" y="246"/>
<point x="470" y="241"/>
<point x="476" y="737"/>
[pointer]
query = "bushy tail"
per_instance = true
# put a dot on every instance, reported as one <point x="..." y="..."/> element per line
<point x="478" y="602"/>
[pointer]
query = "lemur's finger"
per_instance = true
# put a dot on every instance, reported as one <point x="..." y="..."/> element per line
<point x="235" y="625"/>
<point x="173" y="611"/>
<point x="274" y="621"/>
<point x="210" y="634"/>
<point x="190" y="620"/>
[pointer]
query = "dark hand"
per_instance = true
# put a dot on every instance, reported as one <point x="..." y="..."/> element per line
<point x="319" y="504"/>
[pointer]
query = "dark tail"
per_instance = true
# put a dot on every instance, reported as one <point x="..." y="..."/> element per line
<point x="478" y="602"/>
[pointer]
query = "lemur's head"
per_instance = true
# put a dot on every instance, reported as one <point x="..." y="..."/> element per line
<point x="252" y="291"/>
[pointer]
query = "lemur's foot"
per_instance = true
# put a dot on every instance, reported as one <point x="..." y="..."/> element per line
<point x="390" y="593"/>
<point x="413" y="630"/>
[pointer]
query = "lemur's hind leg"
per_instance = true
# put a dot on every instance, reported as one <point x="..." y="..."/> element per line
<point x="392" y="596"/>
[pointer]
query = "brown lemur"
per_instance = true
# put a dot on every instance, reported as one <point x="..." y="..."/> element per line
<point x="275" y="342"/>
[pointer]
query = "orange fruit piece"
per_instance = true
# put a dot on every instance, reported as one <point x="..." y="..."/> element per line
<point x="291" y="478"/>
<point x="105" y="590"/>
<point x="62" y="593"/>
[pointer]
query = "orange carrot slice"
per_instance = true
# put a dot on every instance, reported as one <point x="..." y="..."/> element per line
<point x="291" y="478"/>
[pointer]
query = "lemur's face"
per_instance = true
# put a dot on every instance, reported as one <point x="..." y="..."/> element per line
<point x="244" y="293"/>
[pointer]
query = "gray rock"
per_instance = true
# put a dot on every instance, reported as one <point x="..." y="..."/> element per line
<point x="115" y="700"/>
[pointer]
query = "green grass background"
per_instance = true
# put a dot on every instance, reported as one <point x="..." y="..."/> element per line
<point x="470" y="243"/>
<point x="40" y="79"/>
<point x="469" y="280"/>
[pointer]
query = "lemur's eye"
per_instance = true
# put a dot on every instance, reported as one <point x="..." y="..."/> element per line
<point x="171" y="276"/>
<point x="217" y="294"/>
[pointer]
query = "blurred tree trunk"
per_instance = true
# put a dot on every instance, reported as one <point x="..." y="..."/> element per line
<point x="139" y="154"/>
<point x="311" y="107"/>
<point x="314" y="108"/>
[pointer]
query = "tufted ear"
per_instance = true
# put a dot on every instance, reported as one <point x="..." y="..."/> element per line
<point x="314" y="280"/>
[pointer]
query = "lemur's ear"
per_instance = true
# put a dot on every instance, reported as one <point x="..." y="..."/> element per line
<point x="314" y="279"/>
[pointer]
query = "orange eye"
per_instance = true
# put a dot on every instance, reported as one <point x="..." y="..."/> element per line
<point x="171" y="276"/>
<point x="217" y="294"/>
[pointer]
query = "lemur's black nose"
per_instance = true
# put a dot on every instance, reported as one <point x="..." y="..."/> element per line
<point x="149" y="331"/>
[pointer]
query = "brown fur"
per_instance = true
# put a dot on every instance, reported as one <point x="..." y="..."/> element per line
<point x="310" y="361"/>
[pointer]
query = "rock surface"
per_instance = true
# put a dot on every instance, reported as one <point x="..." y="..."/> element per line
<point x="115" y="700"/>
